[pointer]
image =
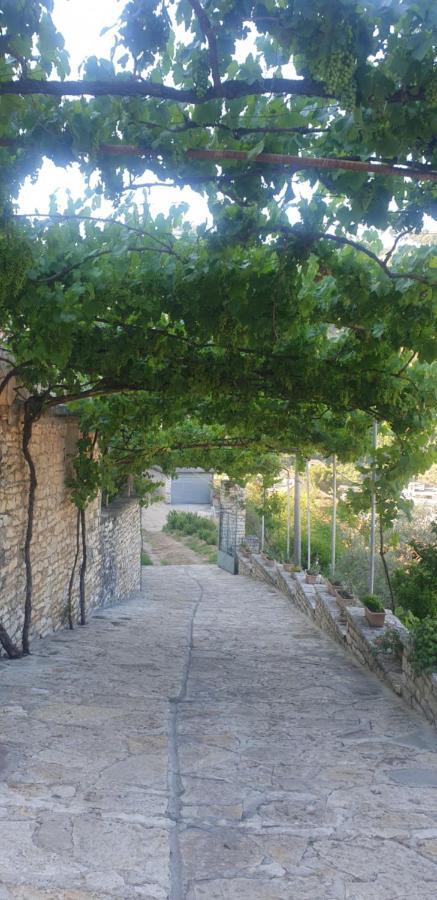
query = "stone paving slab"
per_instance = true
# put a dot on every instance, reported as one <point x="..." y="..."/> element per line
<point x="206" y="742"/>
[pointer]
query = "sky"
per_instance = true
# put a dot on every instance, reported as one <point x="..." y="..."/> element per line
<point x="80" y="22"/>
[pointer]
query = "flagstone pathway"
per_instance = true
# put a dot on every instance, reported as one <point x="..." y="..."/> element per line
<point x="206" y="742"/>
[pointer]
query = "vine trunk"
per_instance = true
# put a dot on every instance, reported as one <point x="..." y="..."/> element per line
<point x="82" y="596"/>
<point x="29" y="417"/>
<point x="73" y="571"/>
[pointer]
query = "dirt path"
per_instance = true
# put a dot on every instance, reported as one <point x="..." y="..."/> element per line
<point x="165" y="550"/>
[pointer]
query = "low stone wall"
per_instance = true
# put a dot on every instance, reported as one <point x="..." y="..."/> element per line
<point x="361" y="639"/>
<point x="420" y="690"/>
<point x="349" y="628"/>
<point x="113" y="535"/>
<point x="120" y="549"/>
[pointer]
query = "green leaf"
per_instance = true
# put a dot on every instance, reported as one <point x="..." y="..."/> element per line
<point x="256" y="150"/>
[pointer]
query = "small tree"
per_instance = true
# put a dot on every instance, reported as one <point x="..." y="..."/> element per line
<point x="415" y="585"/>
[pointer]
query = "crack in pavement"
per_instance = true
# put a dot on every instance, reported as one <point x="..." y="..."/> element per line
<point x="175" y="788"/>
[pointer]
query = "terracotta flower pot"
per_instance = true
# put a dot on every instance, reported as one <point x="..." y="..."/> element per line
<point x="311" y="579"/>
<point x="287" y="567"/>
<point x="375" y="619"/>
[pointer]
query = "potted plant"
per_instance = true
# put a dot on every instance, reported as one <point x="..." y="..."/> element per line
<point x="268" y="560"/>
<point x="343" y="599"/>
<point x="374" y="610"/>
<point x="312" y="576"/>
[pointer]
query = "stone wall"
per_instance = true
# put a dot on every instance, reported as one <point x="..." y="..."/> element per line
<point x="120" y="551"/>
<point x="420" y="691"/>
<point x="349" y="627"/>
<point x="113" y="536"/>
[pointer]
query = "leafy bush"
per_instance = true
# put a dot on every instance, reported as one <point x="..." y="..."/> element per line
<point x="415" y="585"/>
<point x="423" y="657"/>
<point x="276" y="530"/>
<point x="315" y="568"/>
<point x="320" y="543"/>
<point x="353" y="571"/>
<point x="407" y="617"/>
<point x="191" y="523"/>
<point x="390" y="642"/>
<point x="374" y="604"/>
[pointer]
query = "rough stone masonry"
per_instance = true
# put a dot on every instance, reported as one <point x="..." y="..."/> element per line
<point x="114" y="535"/>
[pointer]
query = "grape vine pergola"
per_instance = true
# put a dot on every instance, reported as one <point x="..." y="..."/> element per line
<point x="284" y="325"/>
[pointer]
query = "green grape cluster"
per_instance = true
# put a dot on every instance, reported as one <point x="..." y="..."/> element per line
<point x="367" y="194"/>
<point x="431" y="91"/>
<point x="337" y="72"/>
<point x="15" y="262"/>
<point x="200" y="76"/>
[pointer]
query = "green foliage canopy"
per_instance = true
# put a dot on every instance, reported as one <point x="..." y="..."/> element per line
<point x="363" y="87"/>
<point x="281" y="336"/>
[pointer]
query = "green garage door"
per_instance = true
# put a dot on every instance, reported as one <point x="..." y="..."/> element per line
<point x="191" y="488"/>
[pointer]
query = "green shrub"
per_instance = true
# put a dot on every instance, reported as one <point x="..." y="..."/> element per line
<point x="407" y="617"/>
<point x="187" y="523"/>
<point x="276" y="534"/>
<point x="415" y="585"/>
<point x="352" y="569"/>
<point x="276" y="529"/>
<point x="423" y="656"/>
<point x="321" y="537"/>
<point x="374" y="604"/>
<point x="391" y="643"/>
<point x="315" y="567"/>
